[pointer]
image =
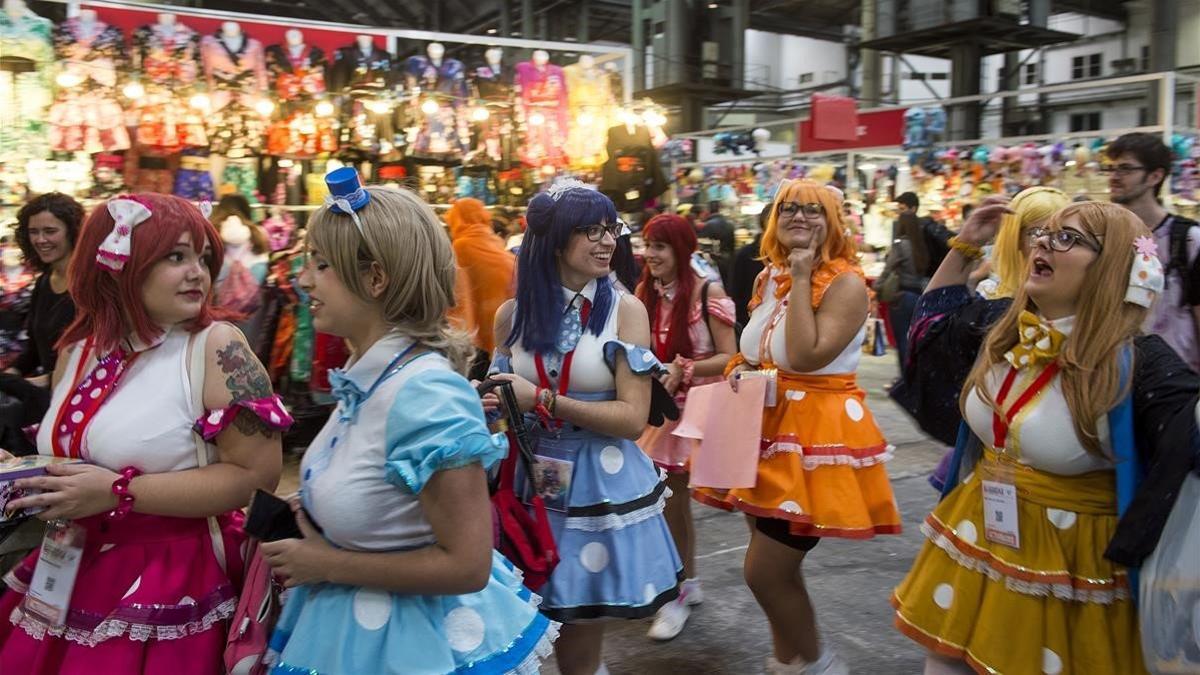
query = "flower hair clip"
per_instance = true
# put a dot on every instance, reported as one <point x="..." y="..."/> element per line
<point x="562" y="187"/>
<point x="1146" y="279"/>
<point x="346" y="194"/>
<point x="127" y="214"/>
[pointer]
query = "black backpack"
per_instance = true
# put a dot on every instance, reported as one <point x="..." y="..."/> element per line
<point x="1179" y="263"/>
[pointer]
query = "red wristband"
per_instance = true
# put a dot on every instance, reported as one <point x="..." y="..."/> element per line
<point x="120" y="488"/>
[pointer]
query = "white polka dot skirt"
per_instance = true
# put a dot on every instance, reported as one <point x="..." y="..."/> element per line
<point x="1053" y="606"/>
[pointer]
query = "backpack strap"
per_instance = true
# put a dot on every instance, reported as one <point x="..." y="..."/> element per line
<point x="704" y="305"/>
<point x="197" y="352"/>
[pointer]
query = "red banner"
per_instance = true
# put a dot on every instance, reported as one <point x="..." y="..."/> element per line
<point x="268" y="34"/>
<point x="878" y="129"/>
<point x="834" y="118"/>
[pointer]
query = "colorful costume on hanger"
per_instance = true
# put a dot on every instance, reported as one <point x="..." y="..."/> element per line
<point x="604" y="496"/>
<point x="632" y="175"/>
<point x="821" y="461"/>
<point x="443" y="134"/>
<point x="237" y="80"/>
<point x="151" y="594"/>
<point x="168" y="58"/>
<point x="363" y="76"/>
<point x="26" y="64"/>
<point x="494" y="140"/>
<point x="543" y="106"/>
<point x="592" y="104"/>
<point x="383" y="440"/>
<point x="87" y="117"/>
<point x="296" y="76"/>
<point x="670" y="452"/>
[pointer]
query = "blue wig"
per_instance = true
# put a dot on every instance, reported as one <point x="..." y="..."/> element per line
<point x="540" y="302"/>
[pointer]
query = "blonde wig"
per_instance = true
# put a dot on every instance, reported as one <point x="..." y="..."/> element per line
<point x="1104" y="322"/>
<point x="1030" y="207"/>
<point x="400" y="233"/>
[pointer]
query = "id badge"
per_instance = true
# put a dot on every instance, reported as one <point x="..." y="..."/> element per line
<point x="772" y="377"/>
<point x="1000" y="524"/>
<point x="553" y="469"/>
<point x="49" y="595"/>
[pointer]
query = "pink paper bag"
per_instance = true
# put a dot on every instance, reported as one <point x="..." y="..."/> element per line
<point x="729" y="428"/>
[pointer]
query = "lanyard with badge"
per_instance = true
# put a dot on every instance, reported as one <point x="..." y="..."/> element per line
<point x="554" y="461"/>
<point x="49" y="594"/>
<point x="999" y="485"/>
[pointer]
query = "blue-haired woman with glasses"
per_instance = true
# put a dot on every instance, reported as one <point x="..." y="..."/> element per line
<point x="576" y="350"/>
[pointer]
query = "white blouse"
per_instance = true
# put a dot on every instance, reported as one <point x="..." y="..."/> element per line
<point x="844" y="363"/>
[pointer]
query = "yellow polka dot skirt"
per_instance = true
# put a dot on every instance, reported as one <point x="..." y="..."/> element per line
<point x="1053" y="606"/>
<point x="821" y="463"/>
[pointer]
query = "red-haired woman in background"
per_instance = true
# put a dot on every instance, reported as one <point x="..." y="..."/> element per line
<point x="820" y="467"/>
<point x="691" y="324"/>
<point x="160" y="567"/>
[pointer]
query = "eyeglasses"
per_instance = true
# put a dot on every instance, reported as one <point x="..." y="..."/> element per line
<point x="1062" y="240"/>
<point x="809" y="211"/>
<point x="1121" y="169"/>
<point x="596" y="232"/>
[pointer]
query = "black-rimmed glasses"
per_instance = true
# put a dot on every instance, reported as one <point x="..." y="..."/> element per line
<point x="596" y="232"/>
<point x="808" y="211"/>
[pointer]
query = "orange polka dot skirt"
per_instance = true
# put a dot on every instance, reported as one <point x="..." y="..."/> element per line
<point x="821" y="463"/>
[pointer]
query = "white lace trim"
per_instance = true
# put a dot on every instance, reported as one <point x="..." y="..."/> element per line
<point x="813" y="461"/>
<point x="15" y="584"/>
<point x="616" y="521"/>
<point x="1064" y="592"/>
<point x="113" y="628"/>
<point x="532" y="665"/>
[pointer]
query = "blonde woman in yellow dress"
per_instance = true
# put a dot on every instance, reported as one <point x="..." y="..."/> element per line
<point x="1026" y="565"/>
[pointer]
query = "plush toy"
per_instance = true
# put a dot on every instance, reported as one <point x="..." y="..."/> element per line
<point x="980" y="155"/>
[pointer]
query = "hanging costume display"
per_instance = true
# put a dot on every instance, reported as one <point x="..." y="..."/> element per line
<point x="543" y="106"/>
<point x="297" y="78"/>
<point x="494" y="140"/>
<point x="442" y="134"/>
<point x="632" y="175"/>
<point x="167" y="56"/>
<point x="237" y="80"/>
<point x="361" y="76"/>
<point x="591" y="102"/>
<point x="26" y="63"/>
<point x="86" y="117"/>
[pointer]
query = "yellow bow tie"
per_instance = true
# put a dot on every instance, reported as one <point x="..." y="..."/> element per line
<point x="1040" y="342"/>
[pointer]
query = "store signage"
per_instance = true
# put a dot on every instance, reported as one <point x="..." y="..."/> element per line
<point x="834" y="118"/>
<point x="877" y="129"/>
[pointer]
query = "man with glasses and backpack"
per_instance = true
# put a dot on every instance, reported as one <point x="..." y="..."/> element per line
<point x="1138" y="165"/>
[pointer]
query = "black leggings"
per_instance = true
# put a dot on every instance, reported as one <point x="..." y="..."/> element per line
<point x="778" y="530"/>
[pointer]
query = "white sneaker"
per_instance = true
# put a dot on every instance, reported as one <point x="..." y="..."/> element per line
<point x="670" y="619"/>
<point x="691" y="592"/>
<point x="828" y="664"/>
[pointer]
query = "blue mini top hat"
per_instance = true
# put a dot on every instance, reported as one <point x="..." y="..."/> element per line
<point x="345" y="187"/>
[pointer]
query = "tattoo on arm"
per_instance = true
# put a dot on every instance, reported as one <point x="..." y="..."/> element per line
<point x="246" y="380"/>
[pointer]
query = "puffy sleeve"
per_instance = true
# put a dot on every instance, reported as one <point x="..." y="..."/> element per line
<point x="1168" y="444"/>
<point x="948" y="329"/>
<point x="641" y="361"/>
<point x="436" y="423"/>
<point x="723" y="310"/>
<point x="270" y="410"/>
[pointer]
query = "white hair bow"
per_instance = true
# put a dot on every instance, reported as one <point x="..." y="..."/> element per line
<point x="114" y="250"/>
<point x="343" y="205"/>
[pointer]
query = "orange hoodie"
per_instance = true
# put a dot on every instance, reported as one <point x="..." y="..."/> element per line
<point x="484" y="264"/>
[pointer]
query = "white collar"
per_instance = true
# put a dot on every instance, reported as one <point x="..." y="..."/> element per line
<point x="1064" y="325"/>
<point x="588" y="292"/>
<point x="366" y="369"/>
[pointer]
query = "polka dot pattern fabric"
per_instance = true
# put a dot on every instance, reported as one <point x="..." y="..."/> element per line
<point x="1053" y="606"/>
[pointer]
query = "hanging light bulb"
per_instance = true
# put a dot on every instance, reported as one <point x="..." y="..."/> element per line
<point x="68" y="79"/>
<point x="324" y="109"/>
<point x="654" y="118"/>
<point x="430" y="107"/>
<point x="586" y="119"/>
<point x="378" y="106"/>
<point x="200" y="101"/>
<point x="537" y="119"/>
<point x="134" y="90"/>
<point x="265" y="107"/>
<point x="480" y="114"/>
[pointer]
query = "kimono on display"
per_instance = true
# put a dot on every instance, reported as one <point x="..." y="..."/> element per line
<point x="591" y="102"/>
<point x="543" y="105"/>
<point x="167" y="57"/>
<point x="26" y="62"/>
<point x="363" y="75"/>
<point x="632" y="175"/>
<point x="87" y="117"/>
<point x="237" y="79"/>
<point x="494" y="140"/>
<point x="297" y="77"/>
<point x="443" y="134"/>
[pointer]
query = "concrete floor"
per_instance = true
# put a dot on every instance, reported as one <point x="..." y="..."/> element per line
<point x="850" y="582"/>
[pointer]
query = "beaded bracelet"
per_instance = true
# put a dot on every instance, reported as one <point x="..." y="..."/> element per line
<point x="969" y="251"/>
<point x="120" y="488"/>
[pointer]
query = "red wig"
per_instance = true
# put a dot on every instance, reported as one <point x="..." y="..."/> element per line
<point x="108" y="305"/>
<point x="677" y="233"/>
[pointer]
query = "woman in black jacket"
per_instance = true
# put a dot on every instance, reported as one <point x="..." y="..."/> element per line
<point x="908" y="258"/>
